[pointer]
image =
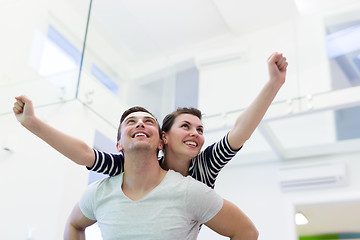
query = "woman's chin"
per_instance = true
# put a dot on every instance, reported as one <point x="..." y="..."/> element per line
<point x="192" y="154"/>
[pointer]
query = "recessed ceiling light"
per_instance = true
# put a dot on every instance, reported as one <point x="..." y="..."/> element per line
<point x="300" y="219"/>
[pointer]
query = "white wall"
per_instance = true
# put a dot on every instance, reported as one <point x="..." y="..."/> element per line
<point x="39" y="186"/>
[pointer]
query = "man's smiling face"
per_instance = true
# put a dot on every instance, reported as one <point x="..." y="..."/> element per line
<point x="139" y="130"/>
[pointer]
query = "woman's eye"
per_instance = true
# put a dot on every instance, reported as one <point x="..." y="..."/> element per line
<point x="185" y="126"/>
<point x="200" y="130"/>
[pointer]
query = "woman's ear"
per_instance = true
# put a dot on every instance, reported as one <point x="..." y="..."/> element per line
<point x="164" y="137"/>
<point x="119" y="147"/>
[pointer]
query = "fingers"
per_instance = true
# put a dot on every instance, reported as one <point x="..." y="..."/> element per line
<point x="16" y="111"/>
<point x="279" y="60"/>
<point x="18" y="107"/>
<point x="23" y="99"/>
<point x="20" y="104"/>
<point x="271" y="57"/>
<point x="282" y="64"/>
<point x="274" y="57"/>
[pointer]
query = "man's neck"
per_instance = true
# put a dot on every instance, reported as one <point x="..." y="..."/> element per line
<point x="142" y="173"/>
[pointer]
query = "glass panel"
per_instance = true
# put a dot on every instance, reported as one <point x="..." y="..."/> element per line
<point x="317" y="129"/>
<point x="327" y="123"/>
<point x="305" y="130"/>
<point x="122" y="66"/>
<point x="328" y="48"/>
<point x="41" y="50"/>
<point x="343" y="48"/>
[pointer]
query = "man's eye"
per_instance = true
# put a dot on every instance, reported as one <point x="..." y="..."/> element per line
<point x="149" y="121"/>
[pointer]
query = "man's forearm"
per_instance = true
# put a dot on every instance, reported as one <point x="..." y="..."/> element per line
<point x="250" y="234"/>
<point x="71" y="233"/>
<point x="231" y="222"/>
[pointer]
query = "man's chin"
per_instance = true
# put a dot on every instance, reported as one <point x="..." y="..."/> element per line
<point x="141" y="145"/>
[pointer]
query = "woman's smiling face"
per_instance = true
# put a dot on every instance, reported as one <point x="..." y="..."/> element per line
<point x="185" y="137"/>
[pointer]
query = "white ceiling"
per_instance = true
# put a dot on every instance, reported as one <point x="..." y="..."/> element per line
<point x="144" y="30"/>
<point x="147" y="29"/>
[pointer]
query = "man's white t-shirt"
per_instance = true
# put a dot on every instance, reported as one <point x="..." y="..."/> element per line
<point x="175" y="209"/>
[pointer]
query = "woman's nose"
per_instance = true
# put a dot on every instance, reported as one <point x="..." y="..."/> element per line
<point x="194" y="132"/>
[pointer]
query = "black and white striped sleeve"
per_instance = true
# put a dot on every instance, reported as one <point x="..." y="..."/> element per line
<point x="108" y="163"/>
<point x="206" y="166"/>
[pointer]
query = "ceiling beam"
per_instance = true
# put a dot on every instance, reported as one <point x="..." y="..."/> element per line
<point x="332" y="100"/>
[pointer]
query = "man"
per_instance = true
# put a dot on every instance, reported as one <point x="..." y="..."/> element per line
<point x="147" y="202"/>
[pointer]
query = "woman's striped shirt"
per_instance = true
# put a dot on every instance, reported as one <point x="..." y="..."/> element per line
<point x="205" y="167"/>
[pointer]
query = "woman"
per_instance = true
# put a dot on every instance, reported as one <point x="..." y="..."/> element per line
<point x="182" y="133"/>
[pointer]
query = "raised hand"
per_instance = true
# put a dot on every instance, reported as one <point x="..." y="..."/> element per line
<point x="277" y="66"/>
<point x="23" y="109"/>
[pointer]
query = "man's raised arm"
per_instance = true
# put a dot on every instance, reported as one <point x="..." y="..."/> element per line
<point x="74" y="149"/>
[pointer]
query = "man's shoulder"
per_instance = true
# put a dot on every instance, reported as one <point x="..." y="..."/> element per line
<point x="188" y="180"/>
<point x="106" y="181"/>
<point x="175" y="175"/>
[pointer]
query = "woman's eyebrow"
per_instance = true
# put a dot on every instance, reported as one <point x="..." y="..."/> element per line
<point x="191" y="124"/>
